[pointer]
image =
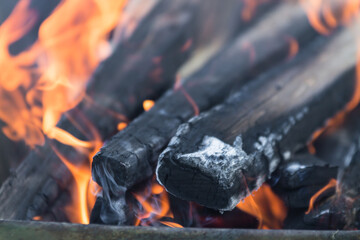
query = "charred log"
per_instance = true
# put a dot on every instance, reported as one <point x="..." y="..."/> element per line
<point x="217" y="158"/>
<point x="113" y="96"/>
<point x="300" y="178"/>
<point x="304" y="170"/>
<point x="11" y="154"/>
<point x="47" y="198"/>
<point x="114" y="212"/>
<point x="131" y="156"/>
<point x="342" y="210"/>
<point x="335" y="144"/>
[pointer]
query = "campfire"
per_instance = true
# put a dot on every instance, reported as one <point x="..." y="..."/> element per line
<point x="180" y="114"/>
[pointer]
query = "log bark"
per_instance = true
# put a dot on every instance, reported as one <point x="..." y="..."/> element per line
<point x="130" y="156"/>
<point x="216" y="159"/>
<point x="113" y="95"/>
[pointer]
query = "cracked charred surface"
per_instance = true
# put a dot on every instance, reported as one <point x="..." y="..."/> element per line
<point x="274" y="116"/>
<point x="131" y="155"/>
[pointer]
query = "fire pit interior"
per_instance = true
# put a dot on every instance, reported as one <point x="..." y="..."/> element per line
<point x="240" y="114"/>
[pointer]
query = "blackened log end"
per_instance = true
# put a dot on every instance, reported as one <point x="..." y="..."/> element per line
<point x="206" y="176"/>
<point x="114" y="171"/>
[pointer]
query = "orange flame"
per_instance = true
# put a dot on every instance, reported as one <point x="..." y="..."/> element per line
<point x="155" y="205"/>
<point x="350" y="10"/>
<point x="339" y="118"/>
<point x="37" y="218"/>
<point x="266" y="206"/>
<point x="171" y="224"/>
<point x="84" y="191"/>
<point x="65" y="54"/>
<point x="326" y="15"/>
<point x="49" y="78"/>
<point x="332" y="183"/>
<point x="148" y="104"/>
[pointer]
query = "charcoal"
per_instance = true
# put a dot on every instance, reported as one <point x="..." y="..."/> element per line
<point x="217" y="158"/>
<point x="131" y="155"/>
<point x="304" y="170"/>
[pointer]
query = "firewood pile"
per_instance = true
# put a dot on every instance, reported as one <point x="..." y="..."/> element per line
<point x="257" y="127"/>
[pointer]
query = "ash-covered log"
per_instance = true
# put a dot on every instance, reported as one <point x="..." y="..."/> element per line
<point x="131" y="155"/>
<point x="217" y="158"/>
<point x="115" y="94"/>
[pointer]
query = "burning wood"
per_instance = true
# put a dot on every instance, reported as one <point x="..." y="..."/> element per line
<point x="131" y="155"/>
<point x="66" y="94"/>
<point x="300" y="178"/>
<point x="335" y="144"/>
<point x="301" y="172"/>
<point x="342" y="210"/>
<point x="111" y="98"/>
<point x="217" y="158"/>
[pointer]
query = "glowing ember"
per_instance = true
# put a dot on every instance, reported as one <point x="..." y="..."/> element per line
<point x="266" y="206"/>
<point x="332" y="183"/>
<point x="37" y="218"/>
<point x="148" y="104"/>
<point x="121" y="126"/>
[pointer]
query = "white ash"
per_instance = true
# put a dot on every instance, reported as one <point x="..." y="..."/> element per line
<point x="287" y="125"/>
<point x="294" y="167"/>
<point x="213" y="162"/>
<point x="287" y="155"/>
<point x="266" y="145"/>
